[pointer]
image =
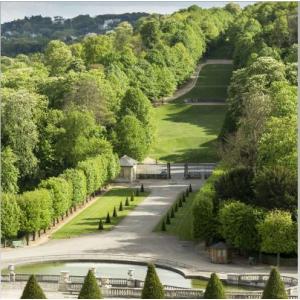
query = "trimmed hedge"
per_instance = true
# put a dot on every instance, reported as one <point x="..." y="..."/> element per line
<point x="153" y="289"/>
<point x="33" y="290"/>
<point x="90" y="288"/>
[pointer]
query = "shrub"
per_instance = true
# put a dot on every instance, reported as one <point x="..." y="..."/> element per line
<point x="142" y="188"/>
<point x="126" y="202"/>
<point x="214" y="288"/>
<point x="172" y="213"/>
<point x="274" y="288"/>
<point x="33" y="290"/>
<point x="107" y="221"/>
<point x="121" y="206"/>
<point x="100" y="226"/>
<point x="115" y="213"/>
<point x="153" y="289"/>
<point x="190" y="188"/>
<point x="180" y="203"/>
<point x="236" y="184"/>
<point x="168" y="221"/>
<point x="183" y="197"/>
<point x="187" y="192"/>
<point x="163" y="226"/>
<point x="176" y="207"/>
<point x="90" y="288"/>
<point x="137" y="192"/>
<point x="132" y="197"/>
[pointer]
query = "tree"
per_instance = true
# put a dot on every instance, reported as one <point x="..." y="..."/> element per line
<point x="153" y="289"/>
<point x="115" y="213"/>
<point x="9" y="171"/>
<point x="107" y="221"/>
<point x="10" y="216"/>
<point x="58" y="57"/>
<point x="150" y="32"/>
<point x="168" y="221"/>
<point x="121" y="206"/>
<point x="276" y="187"/>
<point x="90" y="288"/>
<point x="33" y="290"/>
<point x="126" y="202"/>
<point x="132" y="197"/>
<point x="274" y="288"/>
<point x="172" y="213"/>
<point x="277" y="233"/>
<point x="163" y="226"/>
<point x="190" y="188"/>
<point x="100" y="225"/>
<point x="142" y="188"/>
<point x="238" y="225"/>
<point x="214" y="288"/>
<point x="137" y="192"/>
<point x="131" y="138"/>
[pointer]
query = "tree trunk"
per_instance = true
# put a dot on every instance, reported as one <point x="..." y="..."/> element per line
<point x="278" y="259"/>
<point x="57" y="220"/>
<point x="44" y="230"/>
<point x="53" y="222"/>
<point x="33" y="236"/>
<point x="67" y="213"/>
<point x="39" y="233"/>
<point x="4" y="243"/>
<point x="27" y="239"/>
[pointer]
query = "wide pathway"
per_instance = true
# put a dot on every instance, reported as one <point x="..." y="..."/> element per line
<point x="133" y="239"/>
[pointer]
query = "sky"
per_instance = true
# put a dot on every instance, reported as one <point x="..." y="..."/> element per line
<point x="13" y="10"/>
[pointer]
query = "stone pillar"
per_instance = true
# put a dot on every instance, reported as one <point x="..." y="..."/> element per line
<point x="64" y="281"/>
<point x="12" y="274"/>
<point x="130" y="280"/>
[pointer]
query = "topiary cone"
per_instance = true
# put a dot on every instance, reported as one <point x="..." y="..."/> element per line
<point x="274" y="289"/>
<point x="214" y="288"/>
<point x="163" y="226"/>
<point x="90" y="288"/>
<point x="176" y="207"/>
<point x="187" y="192"/>
<point x="142" y="188"/>
<point x="153" y="289"/>
<point x="183" y="197"/>
<point x="137" y="192"/>
<point x="100" y="226"/>
<point x="168" y="221"/>
<point x="126" y="202"/>
<point x="121" y="206"/>
<point x="190" y="188"/>
<point x="115" y="213"/>
<point x="132" y="197"/>
<point x="172" y="213"/>
<point x="33" y="290"/>
<point x="180" y="203"/>
<point x="107" y="221"/>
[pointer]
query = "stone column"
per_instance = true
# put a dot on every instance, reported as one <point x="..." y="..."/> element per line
<point x="64" y="281"/>
<point x="12" y="274"/>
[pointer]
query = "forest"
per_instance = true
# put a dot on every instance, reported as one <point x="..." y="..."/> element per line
<point x="70" y="111"/>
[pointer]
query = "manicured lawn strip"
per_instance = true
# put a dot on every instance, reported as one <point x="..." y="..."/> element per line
<point x="187" y="132"/>
<point x="87" y="221"/>
<point x="202" y="283"/>
<point x="182" y="224"/>
<point x="212" y="83"/>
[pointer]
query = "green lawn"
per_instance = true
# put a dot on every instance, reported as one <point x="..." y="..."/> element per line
<point x="211" y="85"/>
<point x="187" y="133"/>
<point x="87" y="221"/>
<point x="182" y="224"/>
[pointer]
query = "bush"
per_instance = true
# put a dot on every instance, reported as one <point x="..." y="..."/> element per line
<point x="153" y="289"/>
<point x="214" y="288"/>
<point x="33" y="290"/>
<point x="137" y="192"/>
<point x="115" y="213"/>
<point x="121" y="206"/>
<point x="163" y="226"/>
<point x="236" y="184"/>
<point x="90" y="288"/>
<point x="132" y="197"/>
<point x="142" y="188"/>
<point x="126" y="202"/>
<point x="274" y="288"/>
<point x="172" y="213"/>
<point x="180" y="203"/>
<point x="183" y="197"/>
<point x="190" y="188"/>
<point x="168" y="221"/>
<point x="176" y="207"/>
<point x="187" y="192"/>
<point x="100" y="226"/>
<point x="107" y="221"/>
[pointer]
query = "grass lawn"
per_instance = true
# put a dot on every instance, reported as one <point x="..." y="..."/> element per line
<point x="202" y="283"/>
<point x="187" y="133"/>
<point x="87" y="221"/>
<point x="211" y="84"/>
<point x="182" y="224"/>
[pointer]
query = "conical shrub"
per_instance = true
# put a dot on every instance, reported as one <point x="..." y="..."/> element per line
<point x="168" y="221"/>
<point x="127" y="202"/>
<point x="214" y="288"/>
<point x="33" y="290"/>
<point x="137" y="192"/>
<point x="132" y="197"/>
<point x="190" y="188"/>
<point x="90" y="288"/>
<point x="121" y="206"/>
<point x="172" y="213"/>
<point x="163" y="226"/>
<point x="115" y="213"/>
<point x="180" y="203"/>
<point x="100" y="226"/>
<point x="142" y="188"/>
<point x="183" y="197"/>
<point x="176" y="207"/>
<point x="107" y="221"/>
<point x="153" y="289"/>
<point x="274" y="288"/>
<point x="187" y="192"/>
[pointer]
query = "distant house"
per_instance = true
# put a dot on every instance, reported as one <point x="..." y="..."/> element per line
<point x="128" y="169"/>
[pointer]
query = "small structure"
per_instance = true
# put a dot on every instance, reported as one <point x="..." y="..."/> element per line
<point x="219" y="253"/>
<point x="128" y="169"/>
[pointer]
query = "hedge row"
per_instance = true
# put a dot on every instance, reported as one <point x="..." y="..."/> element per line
<point x="36" y="210"/>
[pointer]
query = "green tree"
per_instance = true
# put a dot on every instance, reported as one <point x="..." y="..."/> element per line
<point x="121" y="206"/>
<point x="274" y="288"/>
<point x="10" y="216"/>
<point x="153" y="289"/>
<point x="90" y="288"/>
<point x="100" y="225"/>
<point x="9" y="171"/>
<point x="277" y="233"/>
<point x="58" y="57"/>
<point x="107" y="221"/>
<point x="214" y="288"/>
<point x="33" y="290"/>
<point x="115" y="213"/>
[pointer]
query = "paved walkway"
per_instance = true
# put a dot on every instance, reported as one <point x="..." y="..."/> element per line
<point x="133" y="239"/>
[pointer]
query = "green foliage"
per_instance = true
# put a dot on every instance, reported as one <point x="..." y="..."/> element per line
<point x="153" y="289"/>
<point x="180" y="202"/>
<point x="126" y="202"/>
<point x="10" y="216"/>
<point x="107" y="221"/>
<point x="137" y="192"/>
<point x="274" y="288"/>
<point x="215" y="288"/>
<point x="33" y="290"/>
<point x="115" y="213"/>
<point x="168" y="221"/>
<point x="90" y="288"/>
<point x="163" y="226"/>
<point x="132" y="197"/>
<point x="190" y="188"/>
<point x="121" y="206"/>
<point x="172" y="215"/>
<point x="142" y="188"/>
<point x="100" y="225"/>
<point x="238" y="225"/>
<point x="176" y="207"/>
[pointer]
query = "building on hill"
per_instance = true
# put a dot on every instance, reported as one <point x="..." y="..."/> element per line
<point x="128" y="169"/>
